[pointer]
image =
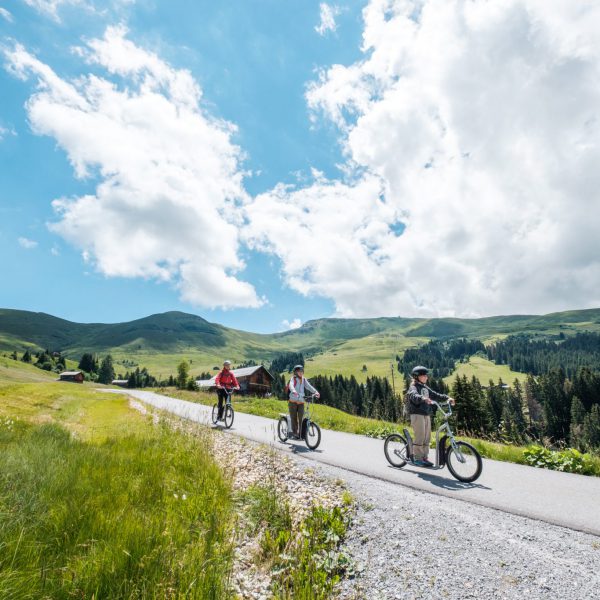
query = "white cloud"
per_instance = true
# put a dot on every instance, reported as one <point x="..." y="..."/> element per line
<point x="293" y="324"/>
<point x="168" y="204"/>
<point x="327" y="15"/>
<point x="27" y="243"/>
<point x="477" y="126"/>
<point x="51" y="7"/>
<point x="6" y="15"/>
<point x="4" y="131"/>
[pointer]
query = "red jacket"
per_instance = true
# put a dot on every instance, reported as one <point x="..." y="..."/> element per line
<point x="226" y="379"/>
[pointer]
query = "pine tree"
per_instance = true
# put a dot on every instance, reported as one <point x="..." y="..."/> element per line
<point x="106" y="374"/>
<point x="88" y="363"/>
<point x="557" y="409"/>
<point x="578" y="414"/>
<point x="591" y="428"/>
<point x="26" y="358"/>
<point x="183" y="373"/>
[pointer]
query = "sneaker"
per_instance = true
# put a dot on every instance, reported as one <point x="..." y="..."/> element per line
<point x="428" y="463"/>
<point x="419" y="463"/>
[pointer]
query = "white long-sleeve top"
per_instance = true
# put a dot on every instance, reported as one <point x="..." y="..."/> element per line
<point x="297" y="387"/>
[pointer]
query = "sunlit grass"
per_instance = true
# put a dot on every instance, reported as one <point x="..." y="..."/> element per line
<point x="97" y="502"/>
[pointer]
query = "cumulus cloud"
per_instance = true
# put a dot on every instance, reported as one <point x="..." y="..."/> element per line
<point x="472" y="131"/>
<point x="293" y="324"/>
<point x="6" y="15"/>
<point x="327" y="15"/>
<point x="168" y="202"/>
<point x="27" y="243"/>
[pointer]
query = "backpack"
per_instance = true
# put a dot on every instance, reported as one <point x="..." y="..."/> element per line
<point x="286" y="389"/>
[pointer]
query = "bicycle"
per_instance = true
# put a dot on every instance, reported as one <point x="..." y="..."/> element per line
<point x="310" y="432"/>
<point x="462" y="459"/>
<point x="228" y="412"/>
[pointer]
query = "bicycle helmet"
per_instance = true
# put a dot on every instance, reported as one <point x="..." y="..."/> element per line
<point x="226" y="362"/>
<point x="419" y="370"/>
<point x="299" y="367"/>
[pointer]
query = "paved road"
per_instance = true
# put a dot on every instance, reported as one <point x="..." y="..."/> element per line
<point x="563" y="499"/>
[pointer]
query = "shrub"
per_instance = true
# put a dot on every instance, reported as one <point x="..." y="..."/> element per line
<point x="569" y="460"/>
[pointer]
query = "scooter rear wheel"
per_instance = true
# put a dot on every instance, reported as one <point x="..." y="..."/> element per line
<point x="396" y="450"/>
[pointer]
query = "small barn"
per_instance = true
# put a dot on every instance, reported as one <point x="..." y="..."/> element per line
<point x="120" y="382"/>
<point x="253" y="380"/>
<point x="73" y="376"/>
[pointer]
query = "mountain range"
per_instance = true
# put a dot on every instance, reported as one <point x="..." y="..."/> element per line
<point x="333" y="345"/>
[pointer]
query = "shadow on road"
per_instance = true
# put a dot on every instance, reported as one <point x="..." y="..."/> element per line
<point x="445" y="482"/>
<point x="300" y="448"/>
<point x="450" y="484"/>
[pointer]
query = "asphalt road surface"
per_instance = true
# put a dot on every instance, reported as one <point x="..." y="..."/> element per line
<point x="559" y="498"/>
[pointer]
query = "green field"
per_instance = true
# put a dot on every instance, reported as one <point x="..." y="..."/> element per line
<point x="485" y="370"/>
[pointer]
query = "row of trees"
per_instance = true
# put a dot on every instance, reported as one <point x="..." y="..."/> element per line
<point x="527" y="354"/>
<point x="544" y="408"/>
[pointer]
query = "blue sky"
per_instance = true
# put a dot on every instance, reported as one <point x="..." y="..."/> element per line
<point x="261" y="163"/>
<point x="252" y="59"/>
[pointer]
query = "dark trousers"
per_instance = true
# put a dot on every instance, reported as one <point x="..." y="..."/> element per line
<point x="222" y="396"/>
<point x="296" y="416"/>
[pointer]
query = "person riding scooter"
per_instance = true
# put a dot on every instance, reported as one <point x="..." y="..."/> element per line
<point x="420" y="408"/>
<point x="298" y="383"/>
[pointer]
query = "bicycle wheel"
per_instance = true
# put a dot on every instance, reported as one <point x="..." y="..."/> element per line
<point x="229" y="414"/>
<point x="396" y="450"/>
<point x="464" y="462"/>
<point x="313" y="436"/>
<point x="215" y="414"/>
<point x="282" y="429"/>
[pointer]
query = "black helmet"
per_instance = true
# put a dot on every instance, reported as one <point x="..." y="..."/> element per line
<point x="298" y="367"/>
<point x="419" y="370"/>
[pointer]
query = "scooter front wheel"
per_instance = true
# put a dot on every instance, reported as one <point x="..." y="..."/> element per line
<point x="229" y="416"/>
<point x="282" y="429"/>
<point x="313" y="436"/>
<point x="464" y="462"/>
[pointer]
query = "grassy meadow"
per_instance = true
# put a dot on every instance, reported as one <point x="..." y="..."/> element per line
<point x="485" y="370"/>
<point x="97" y="502"/>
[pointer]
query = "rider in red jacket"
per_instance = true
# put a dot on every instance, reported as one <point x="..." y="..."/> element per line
<point x="225" y="379"/>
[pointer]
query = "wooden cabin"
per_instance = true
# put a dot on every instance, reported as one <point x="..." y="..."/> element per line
<point x="255" y="381"/>
<point x="73" y="376"/>
<point x="120" y="382"/>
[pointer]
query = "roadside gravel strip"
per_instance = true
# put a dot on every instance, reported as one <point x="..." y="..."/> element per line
<point x="407" y="543"/>
<point x="411" y="544"/>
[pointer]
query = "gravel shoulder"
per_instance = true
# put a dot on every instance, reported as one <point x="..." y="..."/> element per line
<point x="411" y="544"/>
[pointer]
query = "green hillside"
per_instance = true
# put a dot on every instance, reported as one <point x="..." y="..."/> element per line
<point x="159" y="342"/>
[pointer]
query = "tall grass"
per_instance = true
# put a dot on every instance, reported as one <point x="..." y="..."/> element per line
<point x="132" y="517"/>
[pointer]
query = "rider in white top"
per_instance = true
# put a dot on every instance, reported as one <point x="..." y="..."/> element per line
<point x="298" y="383"/>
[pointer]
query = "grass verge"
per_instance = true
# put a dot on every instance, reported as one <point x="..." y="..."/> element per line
<point x="96" y="502"/>
<point x="304" y="559"/>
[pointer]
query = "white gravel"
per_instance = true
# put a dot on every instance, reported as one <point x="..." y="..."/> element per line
<point x="411" y="544"/>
